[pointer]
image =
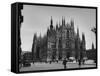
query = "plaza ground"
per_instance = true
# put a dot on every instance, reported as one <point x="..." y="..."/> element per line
<point x="54" y="65"/>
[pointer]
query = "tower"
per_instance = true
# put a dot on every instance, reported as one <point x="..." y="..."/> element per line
<point x="83" y="41"/>
<point x="34" y="45"/>
<point x="72" y="28"/>
<point x="77" y="45"/>
<point x="83" y="47"/>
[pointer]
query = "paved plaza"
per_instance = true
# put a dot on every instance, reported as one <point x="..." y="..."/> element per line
<point x="54" y="65"/>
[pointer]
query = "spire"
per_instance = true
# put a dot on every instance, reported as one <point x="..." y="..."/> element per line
<point x="72" y="23"/>
<point x="83" y="37"/>
<point x="62" y="21"/>
<point x="47" y="31"/>
<point x="40" y="36"/>
<point x="56" y="25"/>
<point x="77" y="32"/>
<point x="35" y="36"/>
<point x="34" y="44"/>
<point x="59" y="23"/>
<point x="51" y="23"/>
<point x="92" y="46"/>
<point x="51" y="20"/>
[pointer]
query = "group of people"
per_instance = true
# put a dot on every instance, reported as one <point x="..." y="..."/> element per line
<point x="79" y="63"/>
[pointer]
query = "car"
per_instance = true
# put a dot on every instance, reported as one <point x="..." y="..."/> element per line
<point x="26" y="64"/>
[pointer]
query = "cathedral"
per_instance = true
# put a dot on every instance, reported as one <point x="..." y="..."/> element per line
<point x="60" y="42"/>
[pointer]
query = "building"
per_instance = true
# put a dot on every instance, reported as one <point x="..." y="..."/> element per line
<point x="60" y="42"/>
<point x="26" y="56"/>
<point x="91" y="53"/>
<point x="39" y="48"/>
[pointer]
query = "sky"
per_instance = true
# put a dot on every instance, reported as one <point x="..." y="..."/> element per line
<point x="37" y="20"/>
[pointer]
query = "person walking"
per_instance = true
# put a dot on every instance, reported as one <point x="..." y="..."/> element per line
<point x="83" y="61"/>
<point x="64" y="63"/>
<point x="79" y="63"/>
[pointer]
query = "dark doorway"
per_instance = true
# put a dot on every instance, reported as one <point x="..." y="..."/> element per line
<point x="68" y="55"/>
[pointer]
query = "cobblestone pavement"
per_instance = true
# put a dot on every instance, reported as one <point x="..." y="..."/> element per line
<point x="48" y="66"/>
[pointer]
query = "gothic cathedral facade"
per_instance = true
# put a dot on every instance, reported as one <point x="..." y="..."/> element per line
<point x="60" y="42"/>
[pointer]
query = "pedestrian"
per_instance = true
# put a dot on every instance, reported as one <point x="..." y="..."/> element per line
<point x="64" y="63"/>
<point x="79" y="61"/>
<point x="50" y="62"/>
<point x="83" y="61"/>
<point x="57" y="60"/>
